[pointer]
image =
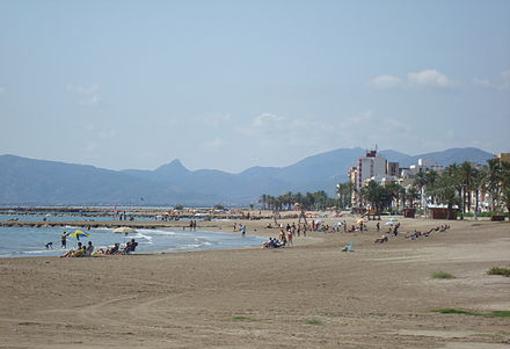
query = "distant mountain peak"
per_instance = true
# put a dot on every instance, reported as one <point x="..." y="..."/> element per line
<point x="175" y="166"/>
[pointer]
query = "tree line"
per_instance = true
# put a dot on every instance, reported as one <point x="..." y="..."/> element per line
<point x="309" y="201"/>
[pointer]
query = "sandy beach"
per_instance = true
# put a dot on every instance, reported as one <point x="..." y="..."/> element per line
<point x="308" y="296"/>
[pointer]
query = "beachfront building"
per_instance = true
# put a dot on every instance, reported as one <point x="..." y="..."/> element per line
<point x="393" y="169"/>
<point x="371" y="167"/>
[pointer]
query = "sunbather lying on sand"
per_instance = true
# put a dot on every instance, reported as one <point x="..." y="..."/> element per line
<point x="382" y="239"/>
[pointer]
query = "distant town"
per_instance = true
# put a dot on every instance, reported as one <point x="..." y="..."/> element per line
<point x="376" y="184"/>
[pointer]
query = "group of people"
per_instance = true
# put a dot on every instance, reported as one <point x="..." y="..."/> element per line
<point x="88" y="250"/>
<point x="116" y="249"/>
<point x="285" y="238"/>
<point x="81" y="251"/>
<point x="273" y="243"/>
<point x="122" y="216"/>
<point x="394" y="231"/>
<point x="192" y="225"/>
<point x="417" y="234"/>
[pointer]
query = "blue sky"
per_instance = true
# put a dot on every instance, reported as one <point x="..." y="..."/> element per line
<point x="232" y="84"/>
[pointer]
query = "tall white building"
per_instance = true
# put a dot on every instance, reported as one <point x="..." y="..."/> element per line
<point x="369" y="166"/>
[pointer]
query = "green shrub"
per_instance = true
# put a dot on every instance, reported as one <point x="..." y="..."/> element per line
<point x="242" y="318"/>
<point x="442" y="275"/>
<point x="495" y="313"/>
<point x="313" y="322"/>
<point x="499" y="271"/>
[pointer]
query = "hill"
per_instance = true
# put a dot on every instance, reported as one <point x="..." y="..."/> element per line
<point x="28" y="181"/>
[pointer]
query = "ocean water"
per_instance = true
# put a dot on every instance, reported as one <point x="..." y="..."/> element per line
<point x="26" y="241"/>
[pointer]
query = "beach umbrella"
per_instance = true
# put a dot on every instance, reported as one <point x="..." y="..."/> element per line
<point x="78" y="234"/>
<point x="124" y="230"/>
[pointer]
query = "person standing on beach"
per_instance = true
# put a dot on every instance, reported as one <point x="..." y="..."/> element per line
<point x="289" y="237"/>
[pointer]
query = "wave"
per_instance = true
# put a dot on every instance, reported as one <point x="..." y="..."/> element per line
<point x="158" y="232"/>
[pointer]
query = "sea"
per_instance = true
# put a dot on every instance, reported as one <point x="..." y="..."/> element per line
<point x="30" y="242"/>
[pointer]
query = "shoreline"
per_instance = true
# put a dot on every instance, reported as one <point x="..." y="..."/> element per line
<point x="166" y="250"/>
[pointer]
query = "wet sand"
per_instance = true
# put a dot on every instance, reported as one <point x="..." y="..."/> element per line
<point x="308" y="296"/>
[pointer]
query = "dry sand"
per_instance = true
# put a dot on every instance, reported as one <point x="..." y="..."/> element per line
<point x="308" y="296"/>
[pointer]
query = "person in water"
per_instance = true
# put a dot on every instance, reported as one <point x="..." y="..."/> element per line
<point x="63" y="239"/>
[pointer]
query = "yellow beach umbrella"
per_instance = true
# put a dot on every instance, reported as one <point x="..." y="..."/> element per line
<point x="78" y="234"/>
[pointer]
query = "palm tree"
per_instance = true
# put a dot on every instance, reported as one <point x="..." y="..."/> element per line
<point x="395" y="189"/>
<point x="412" y="195"/>
<point x="377" y="195"/>
<point x="493" y="181"/>
<point x="505" y="184"/>
<point x="456" y="180"/>
<point x="445" y="190"/>
<point x="479" y="175"/>
<point x="467" y="172"/>
<point x="263" y="201"/>
<point x="420" y="181"/>
<point x="344" y="193"/>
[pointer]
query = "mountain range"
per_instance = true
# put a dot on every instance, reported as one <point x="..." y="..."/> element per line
<point x="26" y="181"/>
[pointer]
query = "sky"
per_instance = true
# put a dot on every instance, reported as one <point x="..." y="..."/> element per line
<point x="233" y="84"/>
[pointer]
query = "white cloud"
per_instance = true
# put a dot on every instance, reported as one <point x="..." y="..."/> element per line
<point x="501" y="83"/>
<point x="267" y="119"/>
<point x="385" y="81"/>
<point x="87" y="95"/>
<point x="425" y="78"/>
<point x="306" y="135"/>
<point x="429" y="78"/>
